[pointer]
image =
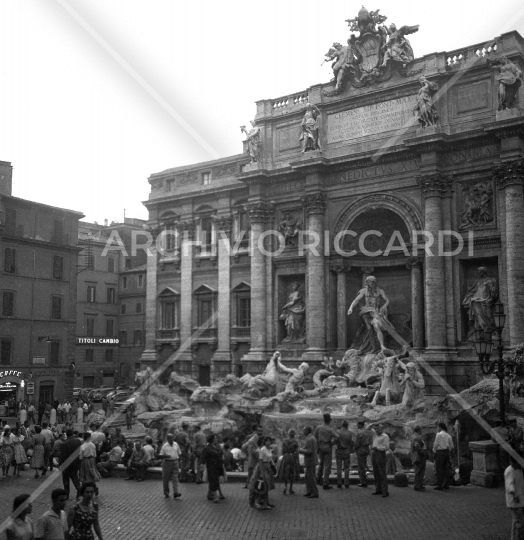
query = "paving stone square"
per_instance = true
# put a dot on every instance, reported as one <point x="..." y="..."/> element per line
<point x="139" y="511"/>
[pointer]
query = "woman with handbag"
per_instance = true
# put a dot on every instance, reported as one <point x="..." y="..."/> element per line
<point x="262" y="481"/>
<point x="212" y="458"/>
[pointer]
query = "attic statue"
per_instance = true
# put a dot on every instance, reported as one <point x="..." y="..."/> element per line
<point x="254" y="142"/>
<point x="509" y="80"/>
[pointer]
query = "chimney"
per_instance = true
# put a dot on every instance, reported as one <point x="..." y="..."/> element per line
<point x="106" y="223"/>
<point x="6" y="178"/>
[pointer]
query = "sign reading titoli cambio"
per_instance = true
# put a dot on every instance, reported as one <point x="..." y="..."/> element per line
<point x="98" y="341"/>
<point x="371" y="119"/>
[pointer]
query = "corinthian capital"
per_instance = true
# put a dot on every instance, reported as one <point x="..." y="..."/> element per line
<point x="223" y="223"/>
<point x="435" y="185"/>
<point x="315" y="203"/>
<point x="509" y="172"/>
<point x="260" y="212"/>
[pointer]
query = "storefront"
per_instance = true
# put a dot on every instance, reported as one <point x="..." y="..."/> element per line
<point x="12" y="385"/>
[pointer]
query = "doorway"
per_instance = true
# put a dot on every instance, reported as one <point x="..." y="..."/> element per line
<point x="204" y="375"/>
<point x="47" y="392"/>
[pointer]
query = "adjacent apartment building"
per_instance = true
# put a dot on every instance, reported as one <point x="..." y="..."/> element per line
<point x="38" y="288"/>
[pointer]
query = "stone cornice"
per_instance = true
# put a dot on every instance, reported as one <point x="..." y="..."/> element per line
<point x="435" y="185"/>
<point x="314" y="203"/>
<point x="509" y="173"/>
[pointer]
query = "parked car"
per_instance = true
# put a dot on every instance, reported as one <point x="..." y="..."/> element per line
<point x="122" y="406"/>
<point x="76" y="392"/>
<point x="122" y="395"/>
<point x="100" y="393"/>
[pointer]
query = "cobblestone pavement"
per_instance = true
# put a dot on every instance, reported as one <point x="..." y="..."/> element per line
<point x="139" y="511"/>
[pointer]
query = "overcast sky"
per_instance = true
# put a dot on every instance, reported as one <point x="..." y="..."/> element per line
<point x="99" y="94"/>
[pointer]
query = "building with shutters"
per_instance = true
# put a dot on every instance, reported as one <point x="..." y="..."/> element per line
<point x="38" y="257"/>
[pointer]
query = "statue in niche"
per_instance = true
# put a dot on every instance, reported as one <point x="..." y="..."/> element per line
<point x="254" y="142"/>
<point x="425" y="108"/>
<point x="374" y="317"/>
<point x="478" y="205"/>
<point x="309" y="129"/>
<point x="289" y="228"/>
<point x="346" y="60"/>
<point x="509" y="79"/>
<point x="397" y="48"/>
<point x="294" y="316"/>
<point x="480" y="300"/>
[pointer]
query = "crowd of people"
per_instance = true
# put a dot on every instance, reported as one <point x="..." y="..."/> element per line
<point x="188" y="455"/>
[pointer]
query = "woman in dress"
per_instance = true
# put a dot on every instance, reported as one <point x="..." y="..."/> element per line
<point x="212" y="458"/>
<point x="23" y="412"/>
<point x="6" y="450"/>
<point x="290" y="464"/>
<point x="88" y="470"/>
<point x="52" y="417"/>
<point x="262" y="481"/>
<point x="19" y="452"/>
<point x="20" y="526"/>
<point x="37" y="460"/>
<point x="83" y="516"/>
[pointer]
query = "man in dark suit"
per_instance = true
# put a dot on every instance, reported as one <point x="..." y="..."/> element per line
<point x="310" y="452"/>
<point x="69" y="461"/>
<point x="418" y="457"/>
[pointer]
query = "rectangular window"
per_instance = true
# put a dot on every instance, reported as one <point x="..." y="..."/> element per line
<point x="10" y="221"/>
<point x="90" y="327"/>
<point x="243" y="230"/>
<point x="170" y="237"/>
<point x="110" y="328"/>
<point x="137" y="366"/>
<point x="89" y="355"/>
<point x="109" y="355"/>
<point x="54" y="353"/>
<point x="56" y="307"/>
<point x="139" y="307"/>
<point x="137" y="337"/>
<point x="111" y="295"/>
<point x="206" y="178"/>
<point x="58" y="231"/>
<point x="91" y="294"/>
<point x="123" y="337"/>
<point x="207" y="232"/>
<point x="169" y="315"/>
<point x="58" y="267"/>
<point x="111" y="264"/>
<point x="244" y="312"/>
<point x="140" y="280"/>
<point x="6" y="351"/>
<point x="205" y="311"/>
<point x="8" y="303"/>
<point x="128" y="264"/>
<point x="124" y="282"/>
<point x="123" y="309"/>
<point x="9" y="260"/>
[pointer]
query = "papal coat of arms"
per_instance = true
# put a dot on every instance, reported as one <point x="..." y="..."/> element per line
<point x="371" y="57"/>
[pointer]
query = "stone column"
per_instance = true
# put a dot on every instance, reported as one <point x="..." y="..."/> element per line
<point x="149" y="355"/>
<point x="433" y="187"/>
<point x="315" y="206"/>
<point x="185" y="356"/>
<point x="221" y="364"/>
<point x="417" y="302"/>
<point x="259" y="213"/>
<point x="341" y="307"/>
<point x="510" y="177"/>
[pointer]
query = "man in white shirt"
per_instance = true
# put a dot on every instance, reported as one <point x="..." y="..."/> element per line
<point x="378" y="460"/>
<point x="49" y="439"/>
<point x="514" y="482"/>
<point x="442" y="448"/>
<point x="53" y="524"/>
<point x="66" y="408"/>
<point x="170" y="453"/>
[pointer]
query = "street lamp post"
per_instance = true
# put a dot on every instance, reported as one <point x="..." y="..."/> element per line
<point x="484" y="346"/>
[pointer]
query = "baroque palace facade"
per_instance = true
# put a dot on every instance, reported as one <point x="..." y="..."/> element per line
<point x="393" y="144"/>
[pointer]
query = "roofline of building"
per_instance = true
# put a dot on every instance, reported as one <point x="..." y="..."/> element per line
<point x="54" y="208"/>
<point x="195" y="166"/>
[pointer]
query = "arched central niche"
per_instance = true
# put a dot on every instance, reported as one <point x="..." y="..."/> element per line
<point x="385" y="223"/>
